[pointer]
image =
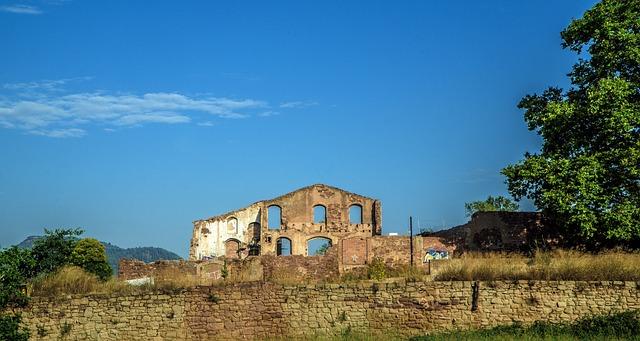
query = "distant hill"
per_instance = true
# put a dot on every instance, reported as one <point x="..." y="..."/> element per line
<point x="114" y="252"/>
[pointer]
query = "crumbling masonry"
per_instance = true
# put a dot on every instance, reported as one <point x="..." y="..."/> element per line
<point x="285" y="224"/>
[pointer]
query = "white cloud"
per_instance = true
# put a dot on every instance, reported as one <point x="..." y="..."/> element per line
<point x="268" y="113"/>
<point x="46" y="108"/>
<point x="169" y="118"/>
<point x="42" y="113"/>
<point x="298" y="104"/>
<point x="21" y="9"/>
<point x="60" y="133"/>
<point x="46" y="84"/>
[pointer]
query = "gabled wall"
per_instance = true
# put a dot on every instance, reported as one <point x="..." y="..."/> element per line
<point x="212" y="237"/>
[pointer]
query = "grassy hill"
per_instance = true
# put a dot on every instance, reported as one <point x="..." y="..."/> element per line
<point x="114" y="252"/>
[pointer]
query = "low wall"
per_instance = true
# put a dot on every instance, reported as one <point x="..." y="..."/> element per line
<point x="260" y="310"/>
<point x="133" y="268"/>
<point x="293" y="268"/>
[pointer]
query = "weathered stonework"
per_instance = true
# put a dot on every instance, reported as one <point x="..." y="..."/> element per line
<point x="262" y="310"/>
<point x="500" y="231"/>
<point x="242" y="232"/>
<point x="347" y="254"/>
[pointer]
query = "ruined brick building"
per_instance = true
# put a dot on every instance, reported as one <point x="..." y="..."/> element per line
<point x="349" y="222"/>
<point x="285" y="224"/>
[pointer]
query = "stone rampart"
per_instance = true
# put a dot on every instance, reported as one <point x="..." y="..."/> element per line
<point x="261" y="310"/>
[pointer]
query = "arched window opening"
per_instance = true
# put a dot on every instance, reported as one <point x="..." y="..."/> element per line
<point x="254" y="230"/>
<point x="318" y="246"/>
<point x="254" y="244"/>
<point x="355" y="214"/>
<point x="274" y="216"/>
<point x="232" y="248"/>
<point x="319" y="214"/>
<point x="283" y="246"/>
<point x="232" y="225"/>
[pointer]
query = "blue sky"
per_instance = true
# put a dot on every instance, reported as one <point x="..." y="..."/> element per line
<point x="131" y="119"/>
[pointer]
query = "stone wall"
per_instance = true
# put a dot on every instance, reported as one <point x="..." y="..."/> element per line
<point x="392" y="250"/>
<point x="290" y="268"/>
<point x="346" y="255"/>
<point x="261" y="310"/>
<point x="170" y="269"/>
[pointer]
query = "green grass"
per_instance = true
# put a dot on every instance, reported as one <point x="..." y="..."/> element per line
<point x="618" y="326"/>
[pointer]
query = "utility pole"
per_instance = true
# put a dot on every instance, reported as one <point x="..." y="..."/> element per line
<point x="411" y="239"/>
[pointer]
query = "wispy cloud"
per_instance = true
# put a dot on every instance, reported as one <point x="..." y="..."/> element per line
<point x="298" y="104"/>
<point x="44" y="85"/>
<point x="268" y="113"/>
<point x="60" y="133"/>
<point x="46" y="108"/>
<point x="21" y="9"/>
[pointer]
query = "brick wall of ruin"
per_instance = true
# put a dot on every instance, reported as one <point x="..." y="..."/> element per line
<point x="392" y="250"/>
<point x="244" y="229"/>
<point x="260" y="310"/>
<point x="501" y="231"/>
<point x="346" y="255"/>
<point x="290" y="268"/>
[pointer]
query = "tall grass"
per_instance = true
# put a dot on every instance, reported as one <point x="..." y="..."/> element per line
<point x="555" y="265"/>
<point x="74" y="280"/>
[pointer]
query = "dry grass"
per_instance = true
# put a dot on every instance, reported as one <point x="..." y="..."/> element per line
<point x="556" y="265"/>
<point x="73" y="280"/>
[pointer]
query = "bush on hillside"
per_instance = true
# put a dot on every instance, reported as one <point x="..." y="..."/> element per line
<point x="90" y="255"/>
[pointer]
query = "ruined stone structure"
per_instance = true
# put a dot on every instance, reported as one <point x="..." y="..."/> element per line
<point x="500" y="231"/>
<point x="285" y="224"/>
<point x="346" y="255"/>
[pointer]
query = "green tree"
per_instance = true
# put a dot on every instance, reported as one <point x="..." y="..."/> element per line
<point x="586" y="177"/>
<point x="54" y="249"/>
<point x="90" y="255"/>
<point x="491" y="204"/>
<point x="16" y="266"/>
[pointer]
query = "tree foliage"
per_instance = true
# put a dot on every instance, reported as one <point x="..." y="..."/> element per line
<point x="90" y="255"/>
<point x="16" y="267"/>
<point x="586" y="176"/>
<point x="491" y="204"/>
<point x="54" y="249"/>
<point x="10" y="328"/>
<point x="322" y="250"/>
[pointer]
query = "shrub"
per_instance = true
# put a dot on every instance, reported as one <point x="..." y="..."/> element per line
<point x="90" y="255"/>
<point x="10" y="328"/>
<point x="377" y="269"/>
<point x="623" y="325"/>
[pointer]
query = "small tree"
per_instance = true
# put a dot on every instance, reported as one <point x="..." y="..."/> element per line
<point x="492" y="204"/>
<point x="54" y="249"/>
<point x="90" y="255"/>
<point x="322" y="250"/>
